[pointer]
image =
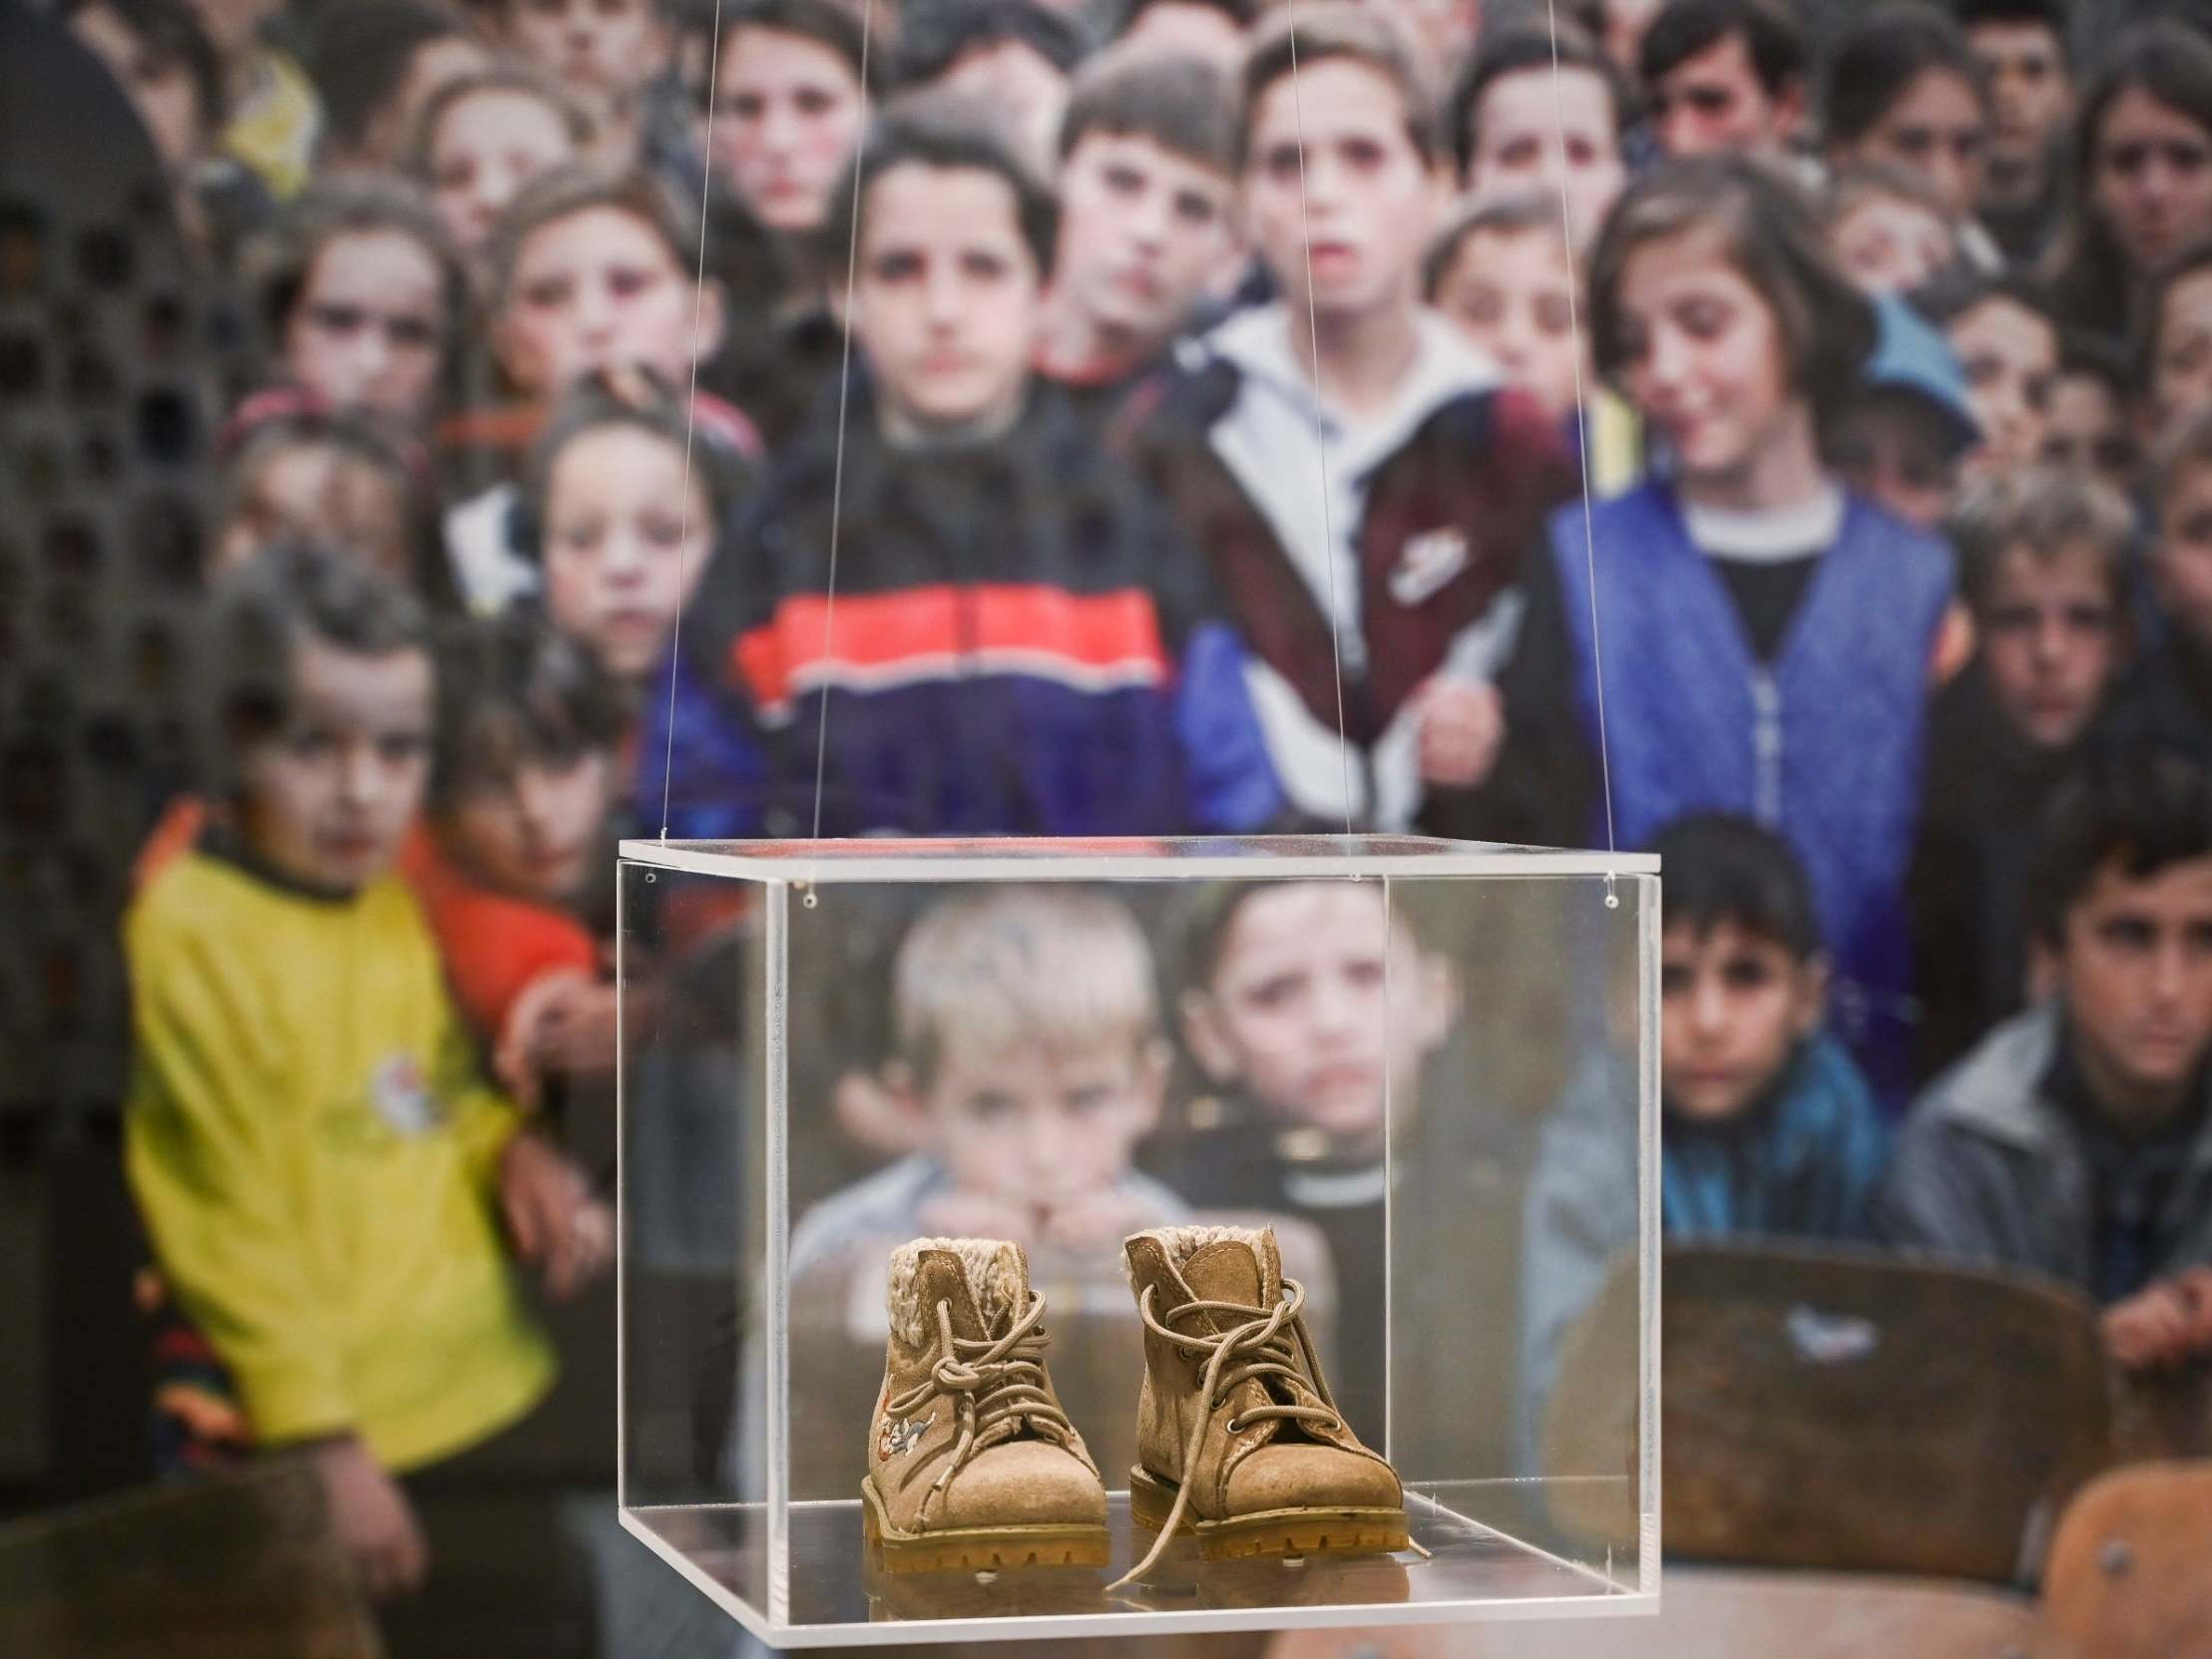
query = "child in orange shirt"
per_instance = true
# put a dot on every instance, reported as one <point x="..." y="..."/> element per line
<point x="529" y="732"/>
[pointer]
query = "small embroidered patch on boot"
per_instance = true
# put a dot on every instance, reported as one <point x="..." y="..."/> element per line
<point x="901" y="1435"/>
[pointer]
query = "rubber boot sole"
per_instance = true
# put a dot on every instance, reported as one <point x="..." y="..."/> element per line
<point x="1303" y="1531"/>
<point x="977" y="1548"/>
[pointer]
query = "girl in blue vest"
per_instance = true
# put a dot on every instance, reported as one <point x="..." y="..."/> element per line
<point x="1767" y="635"/>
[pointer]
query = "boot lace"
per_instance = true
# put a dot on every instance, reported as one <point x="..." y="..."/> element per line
<point x="1266" y="1343"/>
<point x="996" y="1386"/>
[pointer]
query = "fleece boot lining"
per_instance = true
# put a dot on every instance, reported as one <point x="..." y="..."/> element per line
<point x="996" y="1279"/>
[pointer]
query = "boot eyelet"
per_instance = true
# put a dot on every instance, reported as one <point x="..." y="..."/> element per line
<point x="1236" y="1426"/>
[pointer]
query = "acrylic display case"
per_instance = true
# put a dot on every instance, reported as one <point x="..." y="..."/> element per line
<point x="1431" y="1066"/>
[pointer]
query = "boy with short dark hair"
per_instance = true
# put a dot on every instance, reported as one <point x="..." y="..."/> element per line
<point x="322" y="1170"/>
<point x="1531" y="102"/>
<point x="2044" y="560"/>
<point x="1768" y="1129"/>
<point x="2022" y="47"/>
<point x="2076" y="1139"/>
<point x="1018" y="640"/>
<point x="1725" y="77"/>
<point x="1146" y="226"/>
<point x="1501" y="271"/>
<point x="1903" y="86"/>
<point x="1358" y="473"/>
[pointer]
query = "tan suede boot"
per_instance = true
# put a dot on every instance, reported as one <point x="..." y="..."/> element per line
<point x="972" y="1464"/>
<point x="1237" y="1440"/>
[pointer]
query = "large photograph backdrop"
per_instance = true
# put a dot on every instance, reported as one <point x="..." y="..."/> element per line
<point x="441" y="439"/>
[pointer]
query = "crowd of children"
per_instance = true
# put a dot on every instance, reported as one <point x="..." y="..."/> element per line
<point x="1779" y="436"/>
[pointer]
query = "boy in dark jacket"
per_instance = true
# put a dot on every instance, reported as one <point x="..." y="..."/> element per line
<point x="2076" y="1139"/>
<point x="1010" y="635"/>
<point x="1147" y="225"/>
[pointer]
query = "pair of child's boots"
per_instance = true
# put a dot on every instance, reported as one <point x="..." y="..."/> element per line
<point x="973" y="1464"/>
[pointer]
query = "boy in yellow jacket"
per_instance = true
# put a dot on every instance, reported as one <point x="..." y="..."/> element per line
<point x="320" y="1166"/>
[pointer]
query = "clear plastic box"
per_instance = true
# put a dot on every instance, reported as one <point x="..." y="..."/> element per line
<point x="768" y="1099"/>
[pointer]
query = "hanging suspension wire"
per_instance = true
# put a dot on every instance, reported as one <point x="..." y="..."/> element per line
<point x="690" y="420"/>
<point x="691" y="414"/>
<point x="1320" y="428"/>
<point x="844" y="398"/>
<point x="1582" y="432"/>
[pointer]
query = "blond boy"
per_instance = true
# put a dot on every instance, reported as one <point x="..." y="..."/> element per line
<point x="1027" y="1051"/>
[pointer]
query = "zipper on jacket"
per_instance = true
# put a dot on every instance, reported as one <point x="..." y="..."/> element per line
<point x="1766" y="749"/>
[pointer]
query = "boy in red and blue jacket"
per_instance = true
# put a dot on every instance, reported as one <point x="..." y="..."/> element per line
<point x="1020" y="641"/>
